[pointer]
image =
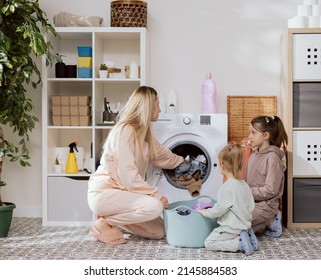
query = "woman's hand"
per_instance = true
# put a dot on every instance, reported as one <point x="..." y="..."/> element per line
<point x="164" y="201"/>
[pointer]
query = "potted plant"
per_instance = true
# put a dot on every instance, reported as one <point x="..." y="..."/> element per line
<point x="103" y="71"/>
<point x="58" y="166"/>
<point x="22" y="39"/>
<point x="60" y="66"/>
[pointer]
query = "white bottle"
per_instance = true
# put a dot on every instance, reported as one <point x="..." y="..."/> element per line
<point x="171" y="102"/>
<point x="133" y="70"/>
<point x="208" y="95"/>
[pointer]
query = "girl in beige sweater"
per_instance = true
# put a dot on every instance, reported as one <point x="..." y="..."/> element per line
<point x="265" y="172"/>
<point x="118" y="192"/>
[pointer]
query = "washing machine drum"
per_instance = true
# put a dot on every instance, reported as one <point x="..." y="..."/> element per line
<point x="186" y="149"/>
<point x="190" y="151"/>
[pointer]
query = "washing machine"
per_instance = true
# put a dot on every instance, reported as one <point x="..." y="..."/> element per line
<point x="190" y="135"/>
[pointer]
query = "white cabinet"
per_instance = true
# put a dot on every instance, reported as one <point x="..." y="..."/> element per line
<point x="122" y="46"/>
<point x="302" y="116"/>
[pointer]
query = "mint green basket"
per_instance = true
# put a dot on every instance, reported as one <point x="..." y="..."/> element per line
<point x="186" y="227"/>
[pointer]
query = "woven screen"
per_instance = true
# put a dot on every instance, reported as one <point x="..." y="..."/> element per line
<point x="241" y="110"/>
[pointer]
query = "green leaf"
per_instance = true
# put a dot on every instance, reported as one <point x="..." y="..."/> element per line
<point x="22" y="25"/>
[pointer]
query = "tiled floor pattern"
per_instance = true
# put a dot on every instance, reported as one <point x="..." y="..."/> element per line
<point x="28" y="239"/>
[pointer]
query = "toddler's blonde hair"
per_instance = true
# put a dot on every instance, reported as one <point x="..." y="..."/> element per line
<point x="231" y="155"/>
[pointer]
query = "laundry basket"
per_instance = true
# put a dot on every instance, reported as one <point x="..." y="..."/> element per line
<point x="186" y="227"/>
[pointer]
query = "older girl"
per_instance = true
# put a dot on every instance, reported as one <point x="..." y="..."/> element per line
<point x="265" y="172"/>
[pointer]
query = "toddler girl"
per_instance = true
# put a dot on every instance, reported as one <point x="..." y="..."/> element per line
<point x="233" y="208"/>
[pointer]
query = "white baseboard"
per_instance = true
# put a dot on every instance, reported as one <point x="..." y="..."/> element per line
<point x="27" y="212"/>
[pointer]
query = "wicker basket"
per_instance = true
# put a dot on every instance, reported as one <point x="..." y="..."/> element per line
<point x="128" y="14"/>
<point x="241" y="110"/>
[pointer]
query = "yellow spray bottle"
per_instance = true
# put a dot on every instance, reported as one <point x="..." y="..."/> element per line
<point x="71" y="165"/>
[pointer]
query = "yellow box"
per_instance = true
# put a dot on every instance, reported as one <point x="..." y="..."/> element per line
<point x="85" y="62"/>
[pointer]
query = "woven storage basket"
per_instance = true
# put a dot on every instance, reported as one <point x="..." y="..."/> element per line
<point x="241" y="110"/>
<point x="128" y="14"/>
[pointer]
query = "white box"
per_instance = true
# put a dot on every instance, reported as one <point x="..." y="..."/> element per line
<point x="306" y="153"/>
<point x="306" y="56"/>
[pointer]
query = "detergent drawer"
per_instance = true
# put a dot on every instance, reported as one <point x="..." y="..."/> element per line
<point x="67" y="199"/>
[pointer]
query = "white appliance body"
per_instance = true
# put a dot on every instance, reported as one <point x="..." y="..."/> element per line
<point x="190" y="134"/>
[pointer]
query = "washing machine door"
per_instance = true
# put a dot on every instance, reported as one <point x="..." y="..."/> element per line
<point x="192" y="145"/>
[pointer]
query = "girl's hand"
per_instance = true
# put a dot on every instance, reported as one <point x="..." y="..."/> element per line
<point x="164" y="201"/>
<point x="202" y="211"/>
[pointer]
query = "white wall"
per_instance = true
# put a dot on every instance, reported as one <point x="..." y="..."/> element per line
<point x="237" y="40"/>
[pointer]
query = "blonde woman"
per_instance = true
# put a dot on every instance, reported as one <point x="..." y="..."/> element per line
<point x="118" y="193"/>
<point x="233" y="208"/>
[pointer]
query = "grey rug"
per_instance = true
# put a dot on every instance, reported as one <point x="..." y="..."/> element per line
<point x="29" y="240"/>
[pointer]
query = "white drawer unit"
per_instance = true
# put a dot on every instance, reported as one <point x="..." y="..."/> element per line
<point x="306" y="56"/>
<point x="67" y="201"/>
<point x="302" y="118"/>
<point x="306" y="153"/>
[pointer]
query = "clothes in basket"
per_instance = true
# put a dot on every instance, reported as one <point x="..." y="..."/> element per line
<point x="185" y="226"/>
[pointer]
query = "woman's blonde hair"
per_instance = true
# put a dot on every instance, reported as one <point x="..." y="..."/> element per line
<point x="138" y="112"/>
<point x="231" y="156"/>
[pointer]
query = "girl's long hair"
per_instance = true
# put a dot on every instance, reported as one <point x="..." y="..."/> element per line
<point x="138" y="112"/>
<point x="274" y="126"/>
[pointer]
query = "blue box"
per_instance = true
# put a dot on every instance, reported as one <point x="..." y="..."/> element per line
<point x="84" y="51"/>
<point x="85" y="72"/>
<point x="186" y="227"/>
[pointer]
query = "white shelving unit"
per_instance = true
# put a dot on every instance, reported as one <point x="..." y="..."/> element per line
<point x="302" y="115"/>
<point x="65" y="195"/>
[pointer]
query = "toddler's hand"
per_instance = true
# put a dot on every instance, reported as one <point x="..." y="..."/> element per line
<point x="202" y="211"/>
<point x="164" y="201"/>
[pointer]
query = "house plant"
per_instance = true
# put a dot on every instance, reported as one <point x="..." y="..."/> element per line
<point x="58" y="166"/>
<point x="103" y="71"/>
<point x="23" y="26"/>
<point x="60" y="66"/>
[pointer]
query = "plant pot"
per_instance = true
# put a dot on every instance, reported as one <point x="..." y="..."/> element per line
<point x="103" y="74"/>
<point x="58" y="168"/>
<point x="60" y="70"/>
<point x="6" y="212"/>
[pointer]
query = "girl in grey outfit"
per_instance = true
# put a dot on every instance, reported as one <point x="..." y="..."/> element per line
<point x="233" y="208"/>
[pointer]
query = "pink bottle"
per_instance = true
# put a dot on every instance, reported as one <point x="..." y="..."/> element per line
<point x="208" y="95"/>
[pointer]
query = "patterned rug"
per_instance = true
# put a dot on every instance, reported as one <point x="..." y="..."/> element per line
<point x="29" y="240"/>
